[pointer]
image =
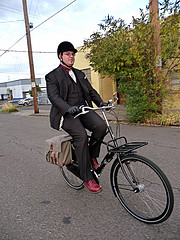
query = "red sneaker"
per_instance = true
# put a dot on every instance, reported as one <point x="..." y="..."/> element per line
<point x="94" y="163"/>
<point x="93" y="186"/>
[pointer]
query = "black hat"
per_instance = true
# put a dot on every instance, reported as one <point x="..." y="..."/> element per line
<point x="65" y="46"/>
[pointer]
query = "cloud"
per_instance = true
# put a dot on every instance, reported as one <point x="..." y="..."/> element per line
<point x="112" y="5"/>
<point x="7" y="10"/>
<point x="75" y="23"/>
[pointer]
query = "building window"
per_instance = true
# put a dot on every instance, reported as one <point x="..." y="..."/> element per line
<point x="87" y="72"/>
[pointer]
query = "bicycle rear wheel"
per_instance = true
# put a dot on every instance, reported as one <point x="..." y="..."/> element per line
<point x="71" y="176"/>
<point x="150" y="199"/>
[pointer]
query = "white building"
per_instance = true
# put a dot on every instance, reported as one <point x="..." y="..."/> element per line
<point x="19" y="89"/>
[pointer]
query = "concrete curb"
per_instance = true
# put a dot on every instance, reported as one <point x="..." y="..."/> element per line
<point x="121" y="120"/>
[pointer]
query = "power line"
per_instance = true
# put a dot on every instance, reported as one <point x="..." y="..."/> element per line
<point x="13" y="10"/>
<point x="12" y="45"/>
<point x="24" y="51"/>
<point x="38" y="26"/>
<point x="54" y="15"/>
<point x="9" y="9"/>
<point x="12" y="21"/>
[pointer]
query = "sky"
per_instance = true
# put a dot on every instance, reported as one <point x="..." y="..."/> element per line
<point x="75" y="24"/>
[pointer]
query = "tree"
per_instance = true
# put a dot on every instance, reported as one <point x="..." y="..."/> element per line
<point x="124" y="52"/>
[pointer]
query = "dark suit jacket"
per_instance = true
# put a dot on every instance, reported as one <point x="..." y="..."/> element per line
<point x="57" y="90"/>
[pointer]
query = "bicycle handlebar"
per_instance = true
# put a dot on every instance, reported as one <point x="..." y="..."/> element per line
<point x="86" y="109"/>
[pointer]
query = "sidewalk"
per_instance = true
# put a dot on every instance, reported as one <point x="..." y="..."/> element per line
<point x="30" y="112"/>
<point x="119" y="111"/>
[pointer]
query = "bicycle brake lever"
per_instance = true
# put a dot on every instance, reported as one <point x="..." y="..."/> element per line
<point x="81" y="113"/>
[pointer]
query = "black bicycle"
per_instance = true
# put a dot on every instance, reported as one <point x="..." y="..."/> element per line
<point x="139" y="184"/>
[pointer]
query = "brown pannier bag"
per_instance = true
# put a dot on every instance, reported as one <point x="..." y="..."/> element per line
<point x="58" y="150"/>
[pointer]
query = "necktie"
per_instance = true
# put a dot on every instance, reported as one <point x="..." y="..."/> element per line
<point x="71" y="73"/>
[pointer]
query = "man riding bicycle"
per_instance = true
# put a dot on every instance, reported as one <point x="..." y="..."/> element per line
<point x="67" y="89"/>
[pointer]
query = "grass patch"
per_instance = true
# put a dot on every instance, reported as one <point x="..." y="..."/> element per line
<point x="9" y="107"/>
<point x="165" y="119"/>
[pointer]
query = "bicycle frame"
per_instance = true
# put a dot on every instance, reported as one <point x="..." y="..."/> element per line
<point x="121" y="150"/>
<point x="133" y="177"/>
<point x="114" y="149"/>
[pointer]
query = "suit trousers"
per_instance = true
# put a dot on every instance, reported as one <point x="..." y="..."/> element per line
<point x="76" y="128"/>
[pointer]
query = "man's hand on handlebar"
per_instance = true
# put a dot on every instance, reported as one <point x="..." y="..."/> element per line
<point x="73" y="110"/>
<point x="85" y="109"/>
<point x="105" y="104"/>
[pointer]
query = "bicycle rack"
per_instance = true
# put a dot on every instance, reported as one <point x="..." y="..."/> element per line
<point x="124" y="148"/>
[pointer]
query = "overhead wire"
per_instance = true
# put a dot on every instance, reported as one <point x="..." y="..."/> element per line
<point x="12" y="21"/>
<point x="12" y="45"/>
<point x="10" y="9"/>
<point x="18" y="58"/>
<point x="24" y="51"/>
<point x="36" y="7"/>
<point x="38" y="26"/>
<point x="53" y="15"/>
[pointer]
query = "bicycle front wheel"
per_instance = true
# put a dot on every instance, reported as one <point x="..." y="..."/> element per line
<point x="71" y="176"/>
<point x="145" y="191"/>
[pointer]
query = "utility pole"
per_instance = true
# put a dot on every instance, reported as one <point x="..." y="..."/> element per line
<point x="156" y="41"/>
<point x="31" y="64"/>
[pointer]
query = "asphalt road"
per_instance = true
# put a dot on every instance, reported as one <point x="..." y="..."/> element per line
<point x="35" y="202"/>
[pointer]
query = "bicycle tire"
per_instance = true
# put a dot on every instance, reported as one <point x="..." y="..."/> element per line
<point x="70" y="178"/>
<point x="152" y="202"/>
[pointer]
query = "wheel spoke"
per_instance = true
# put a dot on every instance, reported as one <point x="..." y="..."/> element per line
<point x="70" y="178"/>
<point x="151" y="198"/>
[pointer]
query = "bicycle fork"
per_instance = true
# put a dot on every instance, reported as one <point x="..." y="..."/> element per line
<point x="136" y="186"/>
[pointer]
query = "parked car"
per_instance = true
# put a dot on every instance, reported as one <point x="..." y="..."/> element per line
<point x="26" y="101"/>
<point x="14" y="102"/>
